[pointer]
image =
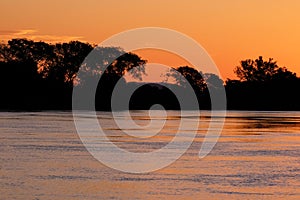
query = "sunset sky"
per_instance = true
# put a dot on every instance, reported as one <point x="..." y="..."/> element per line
<point x="229" y="30"/>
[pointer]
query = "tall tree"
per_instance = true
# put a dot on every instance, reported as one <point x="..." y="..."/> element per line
<point x="261" y="70"/>
<point x="185" y="74"/>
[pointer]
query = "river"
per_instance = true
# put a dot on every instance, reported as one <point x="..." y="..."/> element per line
<point x="256" y="157"/>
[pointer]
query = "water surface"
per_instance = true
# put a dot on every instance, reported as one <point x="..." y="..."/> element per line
<point x="256" y="157"/>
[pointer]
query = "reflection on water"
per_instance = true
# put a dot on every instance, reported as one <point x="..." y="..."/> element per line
<point x="257" y="157"/>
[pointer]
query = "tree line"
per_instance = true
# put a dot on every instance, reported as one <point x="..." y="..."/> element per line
<point x="41" y="76"/>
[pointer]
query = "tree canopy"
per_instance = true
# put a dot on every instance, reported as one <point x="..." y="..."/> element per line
<point x="262" y="70"/>
<point x="40" y="75"/>
<point x="263" y="85"/>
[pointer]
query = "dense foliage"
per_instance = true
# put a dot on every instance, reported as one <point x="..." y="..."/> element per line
<point x="39" y="76"/>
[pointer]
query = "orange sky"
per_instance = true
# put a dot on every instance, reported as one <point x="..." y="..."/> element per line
<point x="229" y="30"/>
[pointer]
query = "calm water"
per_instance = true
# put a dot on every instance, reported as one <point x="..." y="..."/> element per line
<point x="257" y="157"/>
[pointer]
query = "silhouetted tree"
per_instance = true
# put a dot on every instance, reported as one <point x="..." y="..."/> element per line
<point x="66" y="61"/>
<point x="263" y="85"/>
<point x="188" y="75"/>
<point x="127" y="62"/>
<point x="213" y="81"/>
<point x="201" y="83"/>
<point x="260" y="70"/>
<point x="38" y="75"/>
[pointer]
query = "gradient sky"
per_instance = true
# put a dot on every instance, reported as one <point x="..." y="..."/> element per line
<point x="230" y="30"/>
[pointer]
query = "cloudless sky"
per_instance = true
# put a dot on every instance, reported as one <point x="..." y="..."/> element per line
<point x="230" y="30"/>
